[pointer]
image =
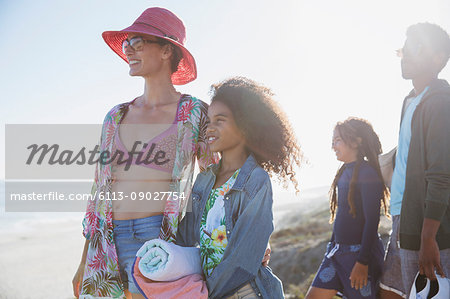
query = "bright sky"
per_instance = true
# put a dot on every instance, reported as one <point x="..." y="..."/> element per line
<point x="325" y="60"/>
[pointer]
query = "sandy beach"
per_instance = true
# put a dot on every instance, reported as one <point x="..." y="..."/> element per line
<point x="39" y="261"/>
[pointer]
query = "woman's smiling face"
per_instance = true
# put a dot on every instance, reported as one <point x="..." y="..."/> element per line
<point x="148" y="60"/>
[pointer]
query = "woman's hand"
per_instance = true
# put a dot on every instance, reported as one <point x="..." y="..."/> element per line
<point x="358" y="277"/>
<point x="77" y="280"/>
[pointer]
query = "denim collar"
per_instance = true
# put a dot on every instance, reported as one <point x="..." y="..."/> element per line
<point x="244" y="173"/>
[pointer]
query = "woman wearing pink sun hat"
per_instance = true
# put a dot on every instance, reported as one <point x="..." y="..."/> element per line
<point x="154" y="141"/>
<point x="166" y="27"/>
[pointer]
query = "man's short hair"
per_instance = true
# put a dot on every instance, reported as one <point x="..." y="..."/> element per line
<point x="433" y="36"/>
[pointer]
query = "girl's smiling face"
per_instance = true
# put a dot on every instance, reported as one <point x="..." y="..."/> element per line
<point x="344" y="152"/>
<point x="223" y="133"/>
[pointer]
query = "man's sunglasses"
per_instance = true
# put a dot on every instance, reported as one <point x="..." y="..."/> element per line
<point x="411" y="51"/>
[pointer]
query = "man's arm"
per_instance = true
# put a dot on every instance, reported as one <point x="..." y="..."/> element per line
<point x="437" y="176"/>
<point x="429" y="257"/>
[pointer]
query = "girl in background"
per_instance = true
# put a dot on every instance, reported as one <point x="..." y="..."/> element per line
<point x="231" y="215"/>
<point x="353" y="261"/>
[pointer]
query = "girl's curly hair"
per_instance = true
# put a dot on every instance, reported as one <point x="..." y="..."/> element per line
<point x="358" y="131"/>
<point x="268" y="134"/>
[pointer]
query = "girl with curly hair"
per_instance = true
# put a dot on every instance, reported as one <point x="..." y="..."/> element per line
<point x="231" y="215"/>
<point x="354" y="258"/>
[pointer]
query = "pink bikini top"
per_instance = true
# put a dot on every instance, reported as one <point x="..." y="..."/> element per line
<point x="157" y="153"/>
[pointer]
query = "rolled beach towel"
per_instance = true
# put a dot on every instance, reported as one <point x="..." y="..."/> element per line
<point x="171" y="271"/>
<point x="189" y="287"/>
<point x="163" y="261"/>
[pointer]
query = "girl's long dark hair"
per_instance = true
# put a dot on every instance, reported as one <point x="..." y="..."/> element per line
<point x="268" y="134"/>
<point x="358" y="131"/>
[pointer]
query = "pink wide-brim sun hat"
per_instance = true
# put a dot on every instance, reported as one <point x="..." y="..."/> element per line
<point x="162" y="23"/>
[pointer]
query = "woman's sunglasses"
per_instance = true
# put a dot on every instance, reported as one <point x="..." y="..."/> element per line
<point x="137" y="43"/>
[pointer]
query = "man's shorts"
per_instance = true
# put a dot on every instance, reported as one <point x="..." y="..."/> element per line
<point x="337" y="265"/>
<point x="401" y="265"/>
<point x="392" y="270"/>
<point x="410" y="265"/>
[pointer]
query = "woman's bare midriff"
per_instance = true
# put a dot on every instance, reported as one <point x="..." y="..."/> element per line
<point x="139" y="192"/>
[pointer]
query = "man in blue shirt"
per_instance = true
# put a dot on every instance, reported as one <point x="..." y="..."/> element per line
<point x="420" y="187"/>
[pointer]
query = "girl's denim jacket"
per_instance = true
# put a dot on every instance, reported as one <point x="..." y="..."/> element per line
<point x="249" y="224"/>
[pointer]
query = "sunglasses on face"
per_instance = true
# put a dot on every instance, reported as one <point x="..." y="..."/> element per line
<point x="137" y="43"/>
<point x="409" y="51"/>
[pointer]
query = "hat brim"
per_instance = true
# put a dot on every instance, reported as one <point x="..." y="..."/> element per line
<point x="187" y="69"/>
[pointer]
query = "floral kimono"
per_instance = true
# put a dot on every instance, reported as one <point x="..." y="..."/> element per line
<point x="101" y="274"/>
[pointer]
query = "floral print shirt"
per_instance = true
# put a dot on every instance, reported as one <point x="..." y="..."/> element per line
<point x="213" y="236"/>
<point x="101" y="277"/>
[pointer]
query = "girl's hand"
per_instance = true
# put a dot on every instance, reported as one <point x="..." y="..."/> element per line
<point x="358" y="277"/>
<point x="266" y="258"/>
<point x="77" y="280"/>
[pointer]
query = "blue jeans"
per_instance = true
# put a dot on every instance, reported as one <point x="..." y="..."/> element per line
<point x="129" y="236"/>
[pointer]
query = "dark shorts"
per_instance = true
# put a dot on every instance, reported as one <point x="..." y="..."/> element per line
<point x="337" y="265"/>
<point x="129" y="236"/>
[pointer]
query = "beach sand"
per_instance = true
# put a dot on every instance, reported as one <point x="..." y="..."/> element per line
<point x="39" y="261"/>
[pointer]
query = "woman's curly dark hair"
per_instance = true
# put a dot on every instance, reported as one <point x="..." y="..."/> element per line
<point x="268" y="134"/>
